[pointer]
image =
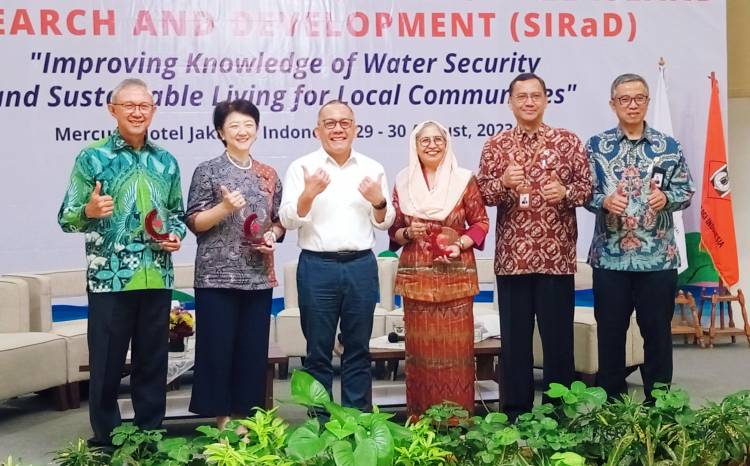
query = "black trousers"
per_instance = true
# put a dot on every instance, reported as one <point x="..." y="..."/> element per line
<point x="114" y="320"/>
<point x="616" y="294"/>
<point x="231" y="350"/>
<point x="551" y="298"/>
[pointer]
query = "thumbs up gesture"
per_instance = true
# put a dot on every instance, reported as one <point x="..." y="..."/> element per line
<point x="656" y="198"/>
<point x="231" y="201"/>
<point x="99" y="206"/>
<point x="553" y="192"/>
<point x="617" y="202"/>
<point x="513" y="175"/>
<point x="315" y="183"/>
<point x="371" y="190"/>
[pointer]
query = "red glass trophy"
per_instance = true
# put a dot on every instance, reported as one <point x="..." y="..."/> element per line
<point x="155" y="227"/>
<point x="440" y="238"/>
<point x="255" y="227"/>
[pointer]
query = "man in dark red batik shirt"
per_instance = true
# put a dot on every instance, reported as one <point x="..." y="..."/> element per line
<point x="536" y="176"/>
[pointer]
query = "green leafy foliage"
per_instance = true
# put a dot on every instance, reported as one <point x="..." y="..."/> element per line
<point x="9" y="461"/>
<point x="580" y="428"/>
<point x="78" y="453"/>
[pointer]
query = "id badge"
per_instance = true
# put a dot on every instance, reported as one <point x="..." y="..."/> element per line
<point x="524" y="197"/>
<point x="658" y="175"/>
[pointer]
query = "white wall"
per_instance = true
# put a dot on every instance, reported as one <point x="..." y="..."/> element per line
<point x="739" y="166"/>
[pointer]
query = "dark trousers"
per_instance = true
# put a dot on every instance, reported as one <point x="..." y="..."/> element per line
<point x="114" y="319"/>
<point x="330" y="291"/>
<point x="652" y="295"/>
<point x="551" y="298"/>
<point x="231" y="351"/>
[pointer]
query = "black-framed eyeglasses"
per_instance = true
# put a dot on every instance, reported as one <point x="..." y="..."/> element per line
<point x="625" y="100"/>
<point x="130" y="107"/>
<point x="427" y="140"/>
<point x="345" y="123"/>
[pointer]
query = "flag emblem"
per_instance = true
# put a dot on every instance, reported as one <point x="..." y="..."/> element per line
<point x="720" y="181"/>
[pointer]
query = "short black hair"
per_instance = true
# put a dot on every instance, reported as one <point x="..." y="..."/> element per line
<point x="243" y="106"/>
<point x="526" y="77"/>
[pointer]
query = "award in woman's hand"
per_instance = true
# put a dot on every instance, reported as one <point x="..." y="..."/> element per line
<point x="155" y="226"/>
<point x="440" y="238"/>
<point x="255" y="226"/>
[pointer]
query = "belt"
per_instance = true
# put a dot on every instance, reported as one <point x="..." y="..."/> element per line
<point x="338" y="256"/>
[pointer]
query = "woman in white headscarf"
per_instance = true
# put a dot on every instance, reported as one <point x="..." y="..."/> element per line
<point x="440" y="219"/>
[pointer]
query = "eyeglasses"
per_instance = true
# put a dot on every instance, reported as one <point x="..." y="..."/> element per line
<point x="130" y="107"/>
<point x="345" y="123"/>
<point x="522" y="98"/>
<point x="426" y="141"/>
<point x="625" y="100"/>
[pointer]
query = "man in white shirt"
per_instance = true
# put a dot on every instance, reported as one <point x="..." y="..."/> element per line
<point x="335" y="196"/>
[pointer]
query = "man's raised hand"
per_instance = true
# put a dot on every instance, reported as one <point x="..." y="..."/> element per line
<point x="316" y="182"/>
<point x="99" y="206"/>
<point x="372" y="190"/>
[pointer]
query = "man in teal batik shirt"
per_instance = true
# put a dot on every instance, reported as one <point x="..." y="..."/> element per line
<point x="640" y="178"/>
<point x="116" y="182"/>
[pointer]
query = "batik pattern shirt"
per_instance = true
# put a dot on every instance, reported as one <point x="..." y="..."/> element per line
<point x="541" y="239"/>
<point x="420" y="276"/>
<point x="120" y="255"/>
<point x="225" y="258"/>
<point x="641" y="239"/>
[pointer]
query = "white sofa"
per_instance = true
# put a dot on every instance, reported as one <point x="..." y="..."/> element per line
<point x="46" y="287"/>
<point x="30" y="360"/>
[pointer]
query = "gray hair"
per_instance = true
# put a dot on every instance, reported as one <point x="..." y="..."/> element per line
<point x="627" y="78"/>
<point x="430" y="124"/>
<point x="129" y="82"/>
<point x="335" y="102"/>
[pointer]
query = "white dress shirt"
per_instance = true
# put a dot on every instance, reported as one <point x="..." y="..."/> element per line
<point x="340" y="218"/>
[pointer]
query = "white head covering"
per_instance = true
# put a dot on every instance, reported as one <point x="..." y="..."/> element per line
<point x="415" y="197"/>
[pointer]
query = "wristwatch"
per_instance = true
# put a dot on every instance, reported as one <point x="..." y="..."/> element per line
<point x="380" y="206"/>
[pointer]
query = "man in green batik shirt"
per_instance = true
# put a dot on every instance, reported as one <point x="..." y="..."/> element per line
<point x="116" y="182"/>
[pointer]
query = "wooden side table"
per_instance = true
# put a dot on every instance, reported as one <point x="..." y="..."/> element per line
<point x="688" y="326"/>
<point x="721" y="301"/>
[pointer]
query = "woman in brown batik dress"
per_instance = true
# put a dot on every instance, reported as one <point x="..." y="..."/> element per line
<point x="438" y="281"/>
<point x="233" y="210"/>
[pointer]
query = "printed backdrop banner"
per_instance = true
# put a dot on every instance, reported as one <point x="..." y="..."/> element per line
<point x="396" y="62"/>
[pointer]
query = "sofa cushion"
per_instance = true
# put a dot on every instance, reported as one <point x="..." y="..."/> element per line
<point x="14" y="305"/>
<point x="76" y="346"/>
<point x="31" y="361"/>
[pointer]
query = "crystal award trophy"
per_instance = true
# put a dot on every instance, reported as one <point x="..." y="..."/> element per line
<point x="155" y="226"/>
<point x="255" y="226"/>
<point x="440" y="238"/>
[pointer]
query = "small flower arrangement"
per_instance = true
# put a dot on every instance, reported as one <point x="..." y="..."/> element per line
<point x="181" y="323"/>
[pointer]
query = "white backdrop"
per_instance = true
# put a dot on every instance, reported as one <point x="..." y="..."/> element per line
<point x="59" y="64"/>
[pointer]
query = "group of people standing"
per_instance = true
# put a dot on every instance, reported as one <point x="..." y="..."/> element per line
<point x="632" y="177"/>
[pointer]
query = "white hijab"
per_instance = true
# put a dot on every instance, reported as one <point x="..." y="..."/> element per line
<point x="415" y="198"/>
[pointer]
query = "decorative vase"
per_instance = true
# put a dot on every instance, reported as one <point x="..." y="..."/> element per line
<point x="176" y="345"/>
